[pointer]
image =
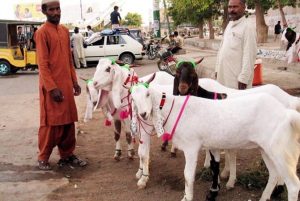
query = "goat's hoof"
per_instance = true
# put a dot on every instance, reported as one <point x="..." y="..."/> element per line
<point x="230" y="186"/>
<point x="173" y="155"/>
<point x="141" y="184"/>
<point x="139" y="174"/>
<point x="131" y="154"/>
<point x="224" y="174"/>
<point x="206" y="164"/>
<point x="117" y="155"/>
<point x="185" y="199"/>
<point x="278" y="190"/>
<point x="211" y="196"/>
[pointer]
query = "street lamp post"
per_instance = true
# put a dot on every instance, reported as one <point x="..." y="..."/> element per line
<point x="81" y="9"/>
<point x="156" y="18"/>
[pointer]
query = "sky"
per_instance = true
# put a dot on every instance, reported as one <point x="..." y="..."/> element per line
<point x="71" y="8"/>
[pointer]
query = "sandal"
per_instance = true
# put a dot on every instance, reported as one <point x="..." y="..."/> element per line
<point x="44" y="165"/>
<point x="74" y="160"/>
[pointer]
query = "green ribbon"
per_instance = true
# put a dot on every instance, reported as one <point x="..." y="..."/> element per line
<point x="126" y="66"/>
<point x="113" y="61"/>
<point x="89" y="81"/>
<point x="146" y="85"/>
<point x="182" y="61"/>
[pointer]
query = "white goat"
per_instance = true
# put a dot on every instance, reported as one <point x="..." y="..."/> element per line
<point x="102" y="99"/>
<point x="287" y="100"/>
<point x="274" y="132"/>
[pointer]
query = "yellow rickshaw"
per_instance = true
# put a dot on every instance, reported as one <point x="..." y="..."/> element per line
<point x="14" y="56"/>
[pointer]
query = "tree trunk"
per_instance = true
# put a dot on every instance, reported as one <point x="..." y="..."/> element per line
<point x="261" y="27"/>
<point x="225" y="17"/>
<point x="211" y="28"/>
<point x="284" y="23"/>
<point x="200" y="26"/>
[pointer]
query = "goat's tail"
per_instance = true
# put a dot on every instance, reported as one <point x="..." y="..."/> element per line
<point x="84" y="79"/>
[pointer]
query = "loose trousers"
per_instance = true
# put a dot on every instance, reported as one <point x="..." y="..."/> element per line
<point x="61" y="136"/>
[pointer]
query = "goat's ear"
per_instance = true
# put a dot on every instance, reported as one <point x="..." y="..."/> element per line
<point x="158" y="121"/>
<point x="175" y="86"/>
<point x="116" y="87"/>
<point x="194" y="86"/>
<point x="133" y="124"/>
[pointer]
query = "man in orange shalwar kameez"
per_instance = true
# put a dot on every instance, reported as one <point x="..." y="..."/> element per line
<point x="57" y="87"/>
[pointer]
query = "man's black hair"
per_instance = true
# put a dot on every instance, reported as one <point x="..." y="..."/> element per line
<point x="116" y="8"/>
<point x="89" y="27"/>
<point x="175" y="33"/>
<point x="76" y="30"/>
<point x="44" y="7"/>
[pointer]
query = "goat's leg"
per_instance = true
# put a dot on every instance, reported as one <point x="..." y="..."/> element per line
<point x="207" y="159"/>
<point x="273" y="177"/>
<point x="285" y="162"/>
<point x="232" y="168"/>
<point x="143" y="151"/>
<point x="279" y="189"/>
<point x="89" y="110"/>
<point x="215" y="168"/>
<point x="226" y="170"/>
<point x="118" y="150"/>
<point x="191" y="156"/>
<point x="130" y="151"/>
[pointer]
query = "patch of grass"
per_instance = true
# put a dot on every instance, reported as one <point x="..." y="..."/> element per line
<point x="204" y="174"/>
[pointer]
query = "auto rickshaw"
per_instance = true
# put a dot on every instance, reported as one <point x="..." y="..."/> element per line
<point x="14" y="57"/>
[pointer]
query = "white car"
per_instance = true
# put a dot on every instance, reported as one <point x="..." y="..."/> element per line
<point x="118" y="46"/>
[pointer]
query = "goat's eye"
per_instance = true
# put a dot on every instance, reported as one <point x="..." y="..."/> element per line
<point x="108" y="69"/>
<point x="148" y="94"/>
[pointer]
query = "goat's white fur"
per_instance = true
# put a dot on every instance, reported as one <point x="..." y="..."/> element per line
<point x="228" y="124"/>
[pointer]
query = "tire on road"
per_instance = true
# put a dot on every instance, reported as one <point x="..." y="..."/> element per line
<point x="5" y="67"/>
<point x="127" y="58"/>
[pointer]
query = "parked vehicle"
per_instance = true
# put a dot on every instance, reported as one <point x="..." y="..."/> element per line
<point x="152" y="49"/>
<point x="12" y="57"/>
<point x="167" y="61"/>
<point x="115" y="44"/>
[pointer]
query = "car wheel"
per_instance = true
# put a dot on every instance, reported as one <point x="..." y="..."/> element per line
<point x="127" y="58"/>
<point x="4" y="68"/>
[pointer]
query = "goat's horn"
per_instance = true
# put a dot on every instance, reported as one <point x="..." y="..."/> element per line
<point x="126" y="87"/>
<point x="84" y="79"/>
<point x="151" y="78"/>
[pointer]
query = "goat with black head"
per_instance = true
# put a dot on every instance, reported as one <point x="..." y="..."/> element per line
<point x="292" y="39"/>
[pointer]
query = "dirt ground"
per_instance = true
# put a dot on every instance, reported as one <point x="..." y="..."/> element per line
<point x="104" y="179"/>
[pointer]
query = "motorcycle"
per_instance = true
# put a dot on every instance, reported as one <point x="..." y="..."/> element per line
<point x="152" y="49"/>
<point x="167" y="61"/>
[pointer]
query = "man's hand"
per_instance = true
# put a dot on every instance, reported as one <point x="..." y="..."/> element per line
<point x="77" y="89"/>
<point x="242" y="85"/>
<point x="57" y="95"/>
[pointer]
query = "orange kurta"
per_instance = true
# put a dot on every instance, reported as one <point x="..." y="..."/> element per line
<point x="55" y="71"/>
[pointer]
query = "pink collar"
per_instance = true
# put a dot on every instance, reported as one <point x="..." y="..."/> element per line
<point x="168" y="136"/>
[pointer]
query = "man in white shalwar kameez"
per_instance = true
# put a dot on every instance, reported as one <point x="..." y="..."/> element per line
<point x="78" y="52"/>
<point x="237" y="54"/>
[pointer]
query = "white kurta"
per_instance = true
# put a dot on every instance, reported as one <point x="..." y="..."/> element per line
<point x="78" y="51"/>
<point x="77" y="41"/>
<point x="237" y="54"/>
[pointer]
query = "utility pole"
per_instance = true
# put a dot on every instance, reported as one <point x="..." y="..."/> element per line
<point x="81" y="10"/>
<point x="156" y="18"/>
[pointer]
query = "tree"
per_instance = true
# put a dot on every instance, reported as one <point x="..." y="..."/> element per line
<point x="133" y="19"/>
<point x="195" y="12"/>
